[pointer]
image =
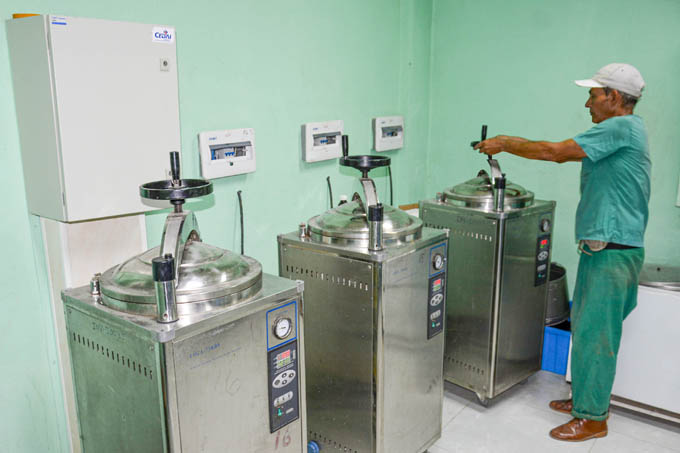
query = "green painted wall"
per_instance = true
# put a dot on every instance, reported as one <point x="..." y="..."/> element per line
<point x="511" y="65"/>
<point x="286" y="64"/>
<point x="266" y="64"/>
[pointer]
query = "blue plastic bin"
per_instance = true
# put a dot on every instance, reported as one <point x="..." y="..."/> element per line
<point x="556" y="348"/>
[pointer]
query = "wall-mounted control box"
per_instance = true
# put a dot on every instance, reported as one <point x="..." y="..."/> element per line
<point x="97" y="111"/>
<point x="322" y="141"/>
<point x="227" y="153"/>
<point x="388" y="133"/>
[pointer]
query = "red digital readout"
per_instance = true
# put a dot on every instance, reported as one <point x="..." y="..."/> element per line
<point x="284" y="355"/>
<point x="437" y="284"/>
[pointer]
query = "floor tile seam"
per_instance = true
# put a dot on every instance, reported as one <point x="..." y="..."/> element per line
<point x="456" y="415"/>
<point x="592" y="446"/>
<point x="647" y="426"/>
<point x="439" y="447"/>
<point x="656" y="444"/>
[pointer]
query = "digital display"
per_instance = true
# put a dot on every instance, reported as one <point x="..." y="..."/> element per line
<point x="283" y="359"/>
<point x="437" y="285"/>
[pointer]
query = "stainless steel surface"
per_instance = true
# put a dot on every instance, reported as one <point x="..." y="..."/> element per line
<point x="411" y="365"/>
<point x="95" y="286"/>
<point x="499" y="199"/>
<point x="478" y="193"/>
<point x="370" y="194"/>
<point x="347" y="225"/>
<point x="199" y="384"/>
<point x="495" y="311"/>
<point x="495" y="169"/>
<point x="209" y="278"/>
<point x="496" y="307"/>
<point x="660" y="276"/>
<point x="374" y="381"/>
<point x="166" y="301"/>
<point x="557" y="308"/>
<point x="375" y="241"/>
<point x="179" y="226"/>
<point x="206" y="277"/>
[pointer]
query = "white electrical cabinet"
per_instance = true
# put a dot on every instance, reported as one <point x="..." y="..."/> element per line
<point x="227" y="153"/>
<point x="97" y="110"/>
<point x="388" y="133"/>
<point x="322" y="141"/>
<point x="646" y="371"/>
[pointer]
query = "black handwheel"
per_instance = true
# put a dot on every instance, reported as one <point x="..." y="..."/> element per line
<point x="364" y="163"/>
<point x="175" y="190"/>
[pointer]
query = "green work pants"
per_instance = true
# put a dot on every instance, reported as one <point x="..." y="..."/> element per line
<point x="605" y="293"/>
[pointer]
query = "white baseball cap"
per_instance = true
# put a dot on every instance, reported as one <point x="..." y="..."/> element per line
<point x="619" y="76"/>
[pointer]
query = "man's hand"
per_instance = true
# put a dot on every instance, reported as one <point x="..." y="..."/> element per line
<point x="492" y="146"/>
<point x="566" y="151"/>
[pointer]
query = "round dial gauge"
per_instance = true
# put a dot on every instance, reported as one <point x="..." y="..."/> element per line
<point x="438" y="262"/>
<point x="545" y="225"/>
<point x="282" y="328"/>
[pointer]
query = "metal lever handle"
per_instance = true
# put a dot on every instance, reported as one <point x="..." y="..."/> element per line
<point x="163" y="270"/>
<point x="174" y="165"/>
<point x="476" y="142"/>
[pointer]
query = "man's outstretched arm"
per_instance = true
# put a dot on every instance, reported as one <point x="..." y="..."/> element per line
<point x="565" y="151"/>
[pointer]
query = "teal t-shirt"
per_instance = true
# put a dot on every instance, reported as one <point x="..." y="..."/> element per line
<point x="615" y="182"/>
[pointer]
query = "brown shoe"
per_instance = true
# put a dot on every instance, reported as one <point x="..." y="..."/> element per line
<point x="564" y="406"/>
<point x="579" y="429"/>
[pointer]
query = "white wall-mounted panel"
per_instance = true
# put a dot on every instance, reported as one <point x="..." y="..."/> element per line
<point x="105" y="94"/>
<point x="322" y="140"/>
<point x="227" y="153"/>
<point x="388" y="133"/>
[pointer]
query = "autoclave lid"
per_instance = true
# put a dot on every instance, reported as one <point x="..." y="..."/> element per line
<point x="478" y="193"/>
<point x="348" y="224"/>
<point x="208" y="277"/>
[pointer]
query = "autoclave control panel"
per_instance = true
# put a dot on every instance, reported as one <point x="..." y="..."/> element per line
<point x="543" y="252"/>
<point x="436" y="300"/>
<point x="283" y="370"/>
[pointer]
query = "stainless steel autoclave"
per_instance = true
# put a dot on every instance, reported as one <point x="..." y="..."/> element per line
<point x="498" y="265"/>
<point x="374" y="288"/>
<point x="205" y="355"/>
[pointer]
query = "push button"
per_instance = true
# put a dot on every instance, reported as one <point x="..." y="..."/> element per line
<point x="436" y="299"/>
<point x="284" y="379"/>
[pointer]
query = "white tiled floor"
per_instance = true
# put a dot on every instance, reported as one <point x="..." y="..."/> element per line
<point x="519" y="421"/>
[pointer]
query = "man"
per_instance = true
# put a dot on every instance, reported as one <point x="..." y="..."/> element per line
<point x="610" y="222"/>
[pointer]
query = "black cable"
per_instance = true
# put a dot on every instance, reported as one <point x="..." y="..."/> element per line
<point x="330" y="190"/>
<point x="240" y="207"/>
<point x="389" y="172"/>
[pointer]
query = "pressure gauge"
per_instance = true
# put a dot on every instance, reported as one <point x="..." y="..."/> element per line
<point x="545" y="225"/>
<point x="282" y="328"/>
<point x="438" y="262"/>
